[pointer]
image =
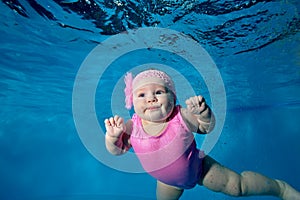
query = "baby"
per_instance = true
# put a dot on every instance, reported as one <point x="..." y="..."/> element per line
<point x="161" y="134"/>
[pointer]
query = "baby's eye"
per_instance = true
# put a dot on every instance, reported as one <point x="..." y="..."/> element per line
<point x="160" y="92"/>
<point x="141" y="95"/>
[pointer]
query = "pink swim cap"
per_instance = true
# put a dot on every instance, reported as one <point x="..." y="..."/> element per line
<point x="143" y="78"/>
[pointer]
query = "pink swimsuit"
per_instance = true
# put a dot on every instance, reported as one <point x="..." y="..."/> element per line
<point x="172" y="156"/>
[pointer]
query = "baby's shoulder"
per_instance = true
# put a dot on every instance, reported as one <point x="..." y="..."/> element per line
<point x="129" y="125"/>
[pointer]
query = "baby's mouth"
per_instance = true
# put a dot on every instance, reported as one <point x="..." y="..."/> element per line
<point x="153" y="108"/>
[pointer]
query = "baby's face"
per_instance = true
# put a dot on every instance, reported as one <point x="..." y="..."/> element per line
<point x="153" y="102"/>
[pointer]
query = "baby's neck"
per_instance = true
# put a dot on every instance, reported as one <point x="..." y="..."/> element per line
<point x="154" y="128"/>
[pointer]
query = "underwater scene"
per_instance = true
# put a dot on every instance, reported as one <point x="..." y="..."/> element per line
<point x="61" y="75"/>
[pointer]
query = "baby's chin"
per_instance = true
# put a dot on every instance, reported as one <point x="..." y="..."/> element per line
<point x="156" y="117"/>
<point x="153" y="119"/>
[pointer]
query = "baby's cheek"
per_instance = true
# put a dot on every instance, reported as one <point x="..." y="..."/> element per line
<point x="136" y="102"/>
<point x="170" y="106"/>
<point x="172" y="98"/>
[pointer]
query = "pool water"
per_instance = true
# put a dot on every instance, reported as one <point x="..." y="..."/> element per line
<point x="254" y="44"/>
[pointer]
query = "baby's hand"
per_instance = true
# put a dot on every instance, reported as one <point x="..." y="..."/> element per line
<point x="115" y="126"/>
<point x="196" y="105"/>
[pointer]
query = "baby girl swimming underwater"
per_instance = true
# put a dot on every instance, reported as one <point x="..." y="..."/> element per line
<point x="161" y="134"/>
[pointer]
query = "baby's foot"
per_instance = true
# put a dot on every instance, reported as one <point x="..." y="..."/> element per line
<point x="287" y="191"/>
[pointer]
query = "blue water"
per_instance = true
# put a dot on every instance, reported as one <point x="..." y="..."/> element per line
<point x="255" y="45"/>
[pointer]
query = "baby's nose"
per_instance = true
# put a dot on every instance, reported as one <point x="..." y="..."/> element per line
<point x="151" y="98"/>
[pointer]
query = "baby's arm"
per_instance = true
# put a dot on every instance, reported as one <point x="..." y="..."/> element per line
<point x="198" y="115"/>
<point x="117" y="135"/>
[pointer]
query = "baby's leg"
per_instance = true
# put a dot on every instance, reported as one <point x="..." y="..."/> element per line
<point x="288" y="192"/>
<point x="221" y="179"/>
<point x="167" y="192"/>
